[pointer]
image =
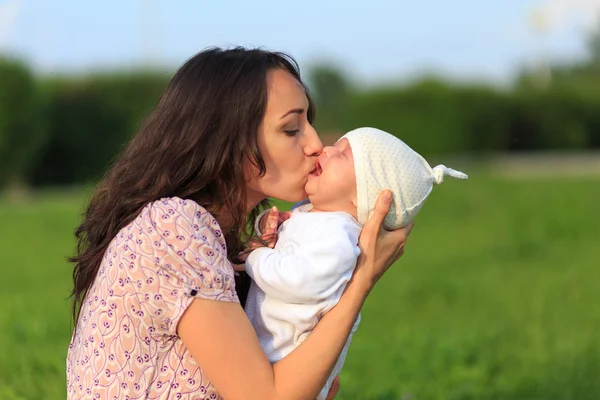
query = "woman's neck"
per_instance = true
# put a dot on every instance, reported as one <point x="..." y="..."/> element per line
<point x="253" y="199"/>
<point x="224" y="216"/>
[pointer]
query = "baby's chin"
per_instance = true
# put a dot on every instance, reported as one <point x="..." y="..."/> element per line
<point x="319" y="202"/>
<point x="308" y="190"/>
<point x="316" y="198"/>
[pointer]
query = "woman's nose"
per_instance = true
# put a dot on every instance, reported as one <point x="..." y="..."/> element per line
<point x="313" y="146"/>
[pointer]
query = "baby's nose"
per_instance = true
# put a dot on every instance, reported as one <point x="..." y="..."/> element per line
<point x="329" y="150"/>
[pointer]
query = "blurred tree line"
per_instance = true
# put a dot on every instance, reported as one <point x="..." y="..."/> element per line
<point x="66" y="130"/>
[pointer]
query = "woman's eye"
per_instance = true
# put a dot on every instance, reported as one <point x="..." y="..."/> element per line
<point x="292" y="132"/>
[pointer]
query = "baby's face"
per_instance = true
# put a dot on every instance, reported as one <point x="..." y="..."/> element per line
<point x="332" y="187"/>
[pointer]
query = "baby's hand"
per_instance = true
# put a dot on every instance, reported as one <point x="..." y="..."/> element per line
<point x="271" y="221"/>
<point x="269" y="224"/>
<point x="239" y="267"/>
<point x="253" y="244"/>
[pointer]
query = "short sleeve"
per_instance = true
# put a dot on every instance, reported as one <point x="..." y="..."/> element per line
<point x="190" y="258"/>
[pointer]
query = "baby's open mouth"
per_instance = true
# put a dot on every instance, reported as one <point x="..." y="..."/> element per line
<point x="317" y="171"/>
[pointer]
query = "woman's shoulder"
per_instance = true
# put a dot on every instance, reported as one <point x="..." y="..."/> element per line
<point x="180" y="211"/>
<point x="178" y="221"/>
<point x="187" y="245"/>
<point x="180" y="208"/>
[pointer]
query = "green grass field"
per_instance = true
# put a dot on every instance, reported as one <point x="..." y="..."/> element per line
<point x="496" y="298"/>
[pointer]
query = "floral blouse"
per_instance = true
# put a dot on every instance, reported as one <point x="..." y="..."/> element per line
<point x="125" y="345"/>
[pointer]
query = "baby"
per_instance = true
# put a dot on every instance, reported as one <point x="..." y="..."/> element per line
<point x="304" y="275"/>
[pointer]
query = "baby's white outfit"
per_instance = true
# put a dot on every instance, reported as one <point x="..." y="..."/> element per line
<point x="302" y="278"/>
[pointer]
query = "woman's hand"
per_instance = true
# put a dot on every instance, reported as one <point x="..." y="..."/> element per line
<point x="379" y="248"/>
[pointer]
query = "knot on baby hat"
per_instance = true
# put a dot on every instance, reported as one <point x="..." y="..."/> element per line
<point x="382" y="161"/>
<point x="441" y="170"/>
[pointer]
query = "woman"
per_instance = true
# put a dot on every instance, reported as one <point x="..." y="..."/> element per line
<point x="158" y="313"/>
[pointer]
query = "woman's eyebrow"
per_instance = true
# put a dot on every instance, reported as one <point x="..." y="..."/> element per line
<point x="298" y="111"/>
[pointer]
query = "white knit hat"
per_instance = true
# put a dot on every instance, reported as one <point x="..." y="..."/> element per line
<point x="382" y="161"/>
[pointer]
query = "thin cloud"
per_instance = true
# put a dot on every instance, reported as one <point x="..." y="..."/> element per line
<point x="9" y="13"/>
<point x="556" y="15"/>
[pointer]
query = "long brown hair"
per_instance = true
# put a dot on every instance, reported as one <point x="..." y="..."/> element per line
<point x="192" y="145"/>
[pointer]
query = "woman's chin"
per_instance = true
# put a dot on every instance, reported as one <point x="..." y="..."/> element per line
<point x="290" y="197"/>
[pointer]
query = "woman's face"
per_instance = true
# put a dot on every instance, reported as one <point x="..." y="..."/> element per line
<point x="287" y="142"/>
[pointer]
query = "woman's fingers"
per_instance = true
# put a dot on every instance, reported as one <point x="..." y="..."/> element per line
<point x="382" y="207"/>
<point x="398" y="239"/>
<point x="380" y="248"/>
<point x="372" y="228"/>
<point x="335" y="386"/>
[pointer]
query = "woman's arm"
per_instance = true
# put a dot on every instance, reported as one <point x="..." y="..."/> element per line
<point x="224" y="344"/>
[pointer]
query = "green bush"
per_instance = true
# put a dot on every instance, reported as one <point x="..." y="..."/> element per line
<point x="435" y="117"/>
<point x="21" y="121"/>
<point x="68" y="129"/>
<point x="89" y="120"/>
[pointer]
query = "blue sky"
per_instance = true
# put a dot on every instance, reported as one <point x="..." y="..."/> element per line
<point x="373" y="40"/>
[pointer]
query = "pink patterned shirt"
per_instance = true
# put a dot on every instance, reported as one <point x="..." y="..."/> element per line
<point x="125" y="345"/>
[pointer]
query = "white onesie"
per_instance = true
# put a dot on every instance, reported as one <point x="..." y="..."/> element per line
<point x="303" y="277"/>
